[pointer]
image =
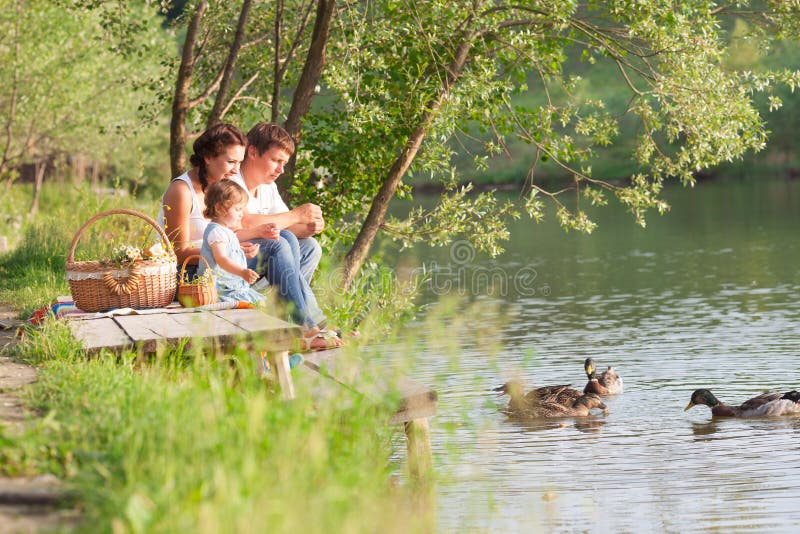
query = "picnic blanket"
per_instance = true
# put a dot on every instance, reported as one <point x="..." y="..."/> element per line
<point x="64" y="308"/>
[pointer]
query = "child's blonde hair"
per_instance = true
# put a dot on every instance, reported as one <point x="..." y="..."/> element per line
<point x="221" y="196"/>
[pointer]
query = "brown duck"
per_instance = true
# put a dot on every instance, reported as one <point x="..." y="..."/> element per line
<point x="547" y="401"/>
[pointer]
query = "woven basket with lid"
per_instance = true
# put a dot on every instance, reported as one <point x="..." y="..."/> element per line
<point x="144" y="284"/>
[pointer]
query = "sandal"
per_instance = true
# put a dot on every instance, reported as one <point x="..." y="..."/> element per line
<point x="336" y="331"/>
<point x="321" y="340"/>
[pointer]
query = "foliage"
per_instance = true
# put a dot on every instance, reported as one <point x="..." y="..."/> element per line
<point x="477" y="79"/>
<point x="691" y="107"/>
<point x="380" y="300"/>
<point x="70" y="86"/>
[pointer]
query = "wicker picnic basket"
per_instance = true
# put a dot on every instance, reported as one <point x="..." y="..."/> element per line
<point x="192" y="294"/>
<point x="96" y="286"/>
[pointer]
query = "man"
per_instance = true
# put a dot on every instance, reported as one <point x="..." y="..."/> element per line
<point x="268" y="151"/>
<point x="288" y="254"/>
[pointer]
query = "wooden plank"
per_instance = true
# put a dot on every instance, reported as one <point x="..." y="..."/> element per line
<point x="278" y="334"/>
<point x="96" y="334"/>
<point x="142" y="329"/>
<point x="145" y="327"/>
<point x="207" y="325"/>
<point x="151" y="330"/>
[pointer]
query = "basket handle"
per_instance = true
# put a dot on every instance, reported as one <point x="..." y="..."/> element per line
<point x="185" y="261"/>
<point x="130" y="285"/>
<point x="151" y="222"/>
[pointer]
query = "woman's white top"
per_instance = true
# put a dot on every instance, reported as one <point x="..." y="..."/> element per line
<point x="197" y="223"/>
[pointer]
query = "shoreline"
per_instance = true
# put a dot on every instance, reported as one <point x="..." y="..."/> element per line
<point x="787" y="174"/>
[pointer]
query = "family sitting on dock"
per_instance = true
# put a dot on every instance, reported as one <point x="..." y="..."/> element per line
<point x="227" y="209"/>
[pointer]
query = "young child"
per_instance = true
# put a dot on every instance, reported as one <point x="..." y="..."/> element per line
<point x="226" y="202"/>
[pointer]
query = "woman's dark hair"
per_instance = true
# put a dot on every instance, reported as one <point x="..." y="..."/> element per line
<point x="210" y="144"/>
<point x="221" y="196"/>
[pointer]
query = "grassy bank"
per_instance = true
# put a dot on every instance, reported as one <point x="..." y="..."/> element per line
<point x="187" y="441"/>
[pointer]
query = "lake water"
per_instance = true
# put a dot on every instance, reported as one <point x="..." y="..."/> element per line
<point x="706" y="296"/>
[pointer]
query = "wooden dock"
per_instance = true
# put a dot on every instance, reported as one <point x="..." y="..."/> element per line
<point x="155" y="330"/>
<point x="151" y="331"/>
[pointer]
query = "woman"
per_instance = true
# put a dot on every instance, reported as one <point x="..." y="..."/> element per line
<point x="218" y="152"/>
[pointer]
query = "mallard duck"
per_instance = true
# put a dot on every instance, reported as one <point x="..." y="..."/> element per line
<point x="606" y="383"/>
<point x="548" y="401"/>
<point x="580" y="407"/>
<point x="560" y="394"/>
<point x="764" y="405"/>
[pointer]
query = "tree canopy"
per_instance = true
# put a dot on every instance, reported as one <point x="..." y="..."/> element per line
<point x="379" y="92"/>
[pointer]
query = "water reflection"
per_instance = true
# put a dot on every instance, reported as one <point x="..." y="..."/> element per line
<point x="704" y="298"/>
<point x="703" y="430"/>
<point x="587" y="425"/>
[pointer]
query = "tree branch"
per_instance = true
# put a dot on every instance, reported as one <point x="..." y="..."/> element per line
<point x="180" y="101"/>
<point x="230" y="62"/>
<point x="238" y="95"/>
<point x="312" y="71"/>
<point x="276" y="82"/>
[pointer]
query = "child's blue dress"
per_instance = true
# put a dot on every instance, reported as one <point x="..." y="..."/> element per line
<point x="231" y="288"/>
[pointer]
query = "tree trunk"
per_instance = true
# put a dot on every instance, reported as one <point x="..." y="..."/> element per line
<point x="230" y="62"/>
<point x="377" y="213"/>
<point x="95" y="176"/>
<point x="312" y="71"/>
<point x="39" y="168"/>
<point x="12" y="101"/>
<point x="78" y="169"/>
<point x="276" y="78"/>
<point x="180" y="101"/>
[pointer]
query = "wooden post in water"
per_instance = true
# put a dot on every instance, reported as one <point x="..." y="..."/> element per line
<point x="419" y="448"/>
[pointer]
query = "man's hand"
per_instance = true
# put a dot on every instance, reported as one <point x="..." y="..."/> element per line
<point x="250" y="249"/>
<point x="308" y="213"/>
<point x="315" y="227"/>
<point x="310" y="220"/>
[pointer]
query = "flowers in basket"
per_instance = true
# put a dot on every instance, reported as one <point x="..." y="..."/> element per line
<point x="205" y="279"/>
<point x="126" y="255"/>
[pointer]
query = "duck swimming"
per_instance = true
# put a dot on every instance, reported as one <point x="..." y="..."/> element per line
<point x="606" y="383"/>
<point x="547" y="401"/>
<point x="580" y="407"/>
<point x="764" y="405"/>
